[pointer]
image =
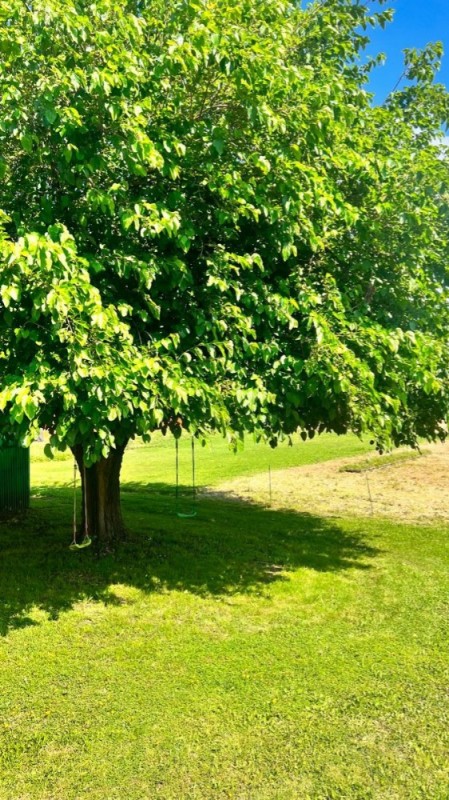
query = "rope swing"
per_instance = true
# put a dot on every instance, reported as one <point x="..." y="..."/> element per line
<point x="193" y="511"/>
<point x="86" y="540"/>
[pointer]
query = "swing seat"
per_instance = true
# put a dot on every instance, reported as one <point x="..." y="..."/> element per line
<point x="87" y="541"/>
<point x="186" y="515"/>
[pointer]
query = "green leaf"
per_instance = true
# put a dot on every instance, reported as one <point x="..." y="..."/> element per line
<point x="27" y="142"/>
<point x="50" y="115"/>
<point x="218" y="145"/>
<point x="48" y="450"/>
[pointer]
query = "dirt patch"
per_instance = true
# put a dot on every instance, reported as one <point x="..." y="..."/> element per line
<point x="412" y="490"/>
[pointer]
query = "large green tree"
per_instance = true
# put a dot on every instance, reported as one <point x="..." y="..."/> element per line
<point x="205" y="224"/>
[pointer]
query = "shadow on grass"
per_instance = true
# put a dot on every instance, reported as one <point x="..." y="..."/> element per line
<point x="228" y="548"/>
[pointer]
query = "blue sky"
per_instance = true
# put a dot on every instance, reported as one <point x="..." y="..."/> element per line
<point x="416" y="22"/>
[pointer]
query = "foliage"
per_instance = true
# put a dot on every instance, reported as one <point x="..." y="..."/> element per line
<point x="205" y="220"/>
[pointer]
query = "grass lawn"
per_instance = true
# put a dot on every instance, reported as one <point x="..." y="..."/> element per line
<point x="153" y="465"/>
<point x="250" y="654"/>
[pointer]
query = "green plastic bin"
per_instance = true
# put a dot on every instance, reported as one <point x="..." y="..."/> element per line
<point x="14" y="479"/>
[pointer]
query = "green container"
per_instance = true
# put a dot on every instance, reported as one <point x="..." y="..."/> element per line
<point x="14" y="479"/>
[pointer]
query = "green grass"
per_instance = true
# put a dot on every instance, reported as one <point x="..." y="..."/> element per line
<point x="154" y="463"/>
<point x="248" y="654"/>
<point x="380" y="461"/>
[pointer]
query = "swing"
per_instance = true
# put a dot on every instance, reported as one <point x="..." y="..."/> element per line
<point x="193" y="512"/>
<point x="86" y="541"/>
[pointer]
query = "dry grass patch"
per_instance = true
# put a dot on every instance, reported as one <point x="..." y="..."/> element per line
<point x="416" y="490"/>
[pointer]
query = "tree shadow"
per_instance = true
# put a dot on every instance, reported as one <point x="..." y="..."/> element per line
<point x="228" y="548"/>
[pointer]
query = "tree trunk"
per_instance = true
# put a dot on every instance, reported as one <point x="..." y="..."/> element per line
<point x="101" y="516"/>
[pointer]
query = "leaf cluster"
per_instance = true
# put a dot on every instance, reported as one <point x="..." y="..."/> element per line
<point x="207" y="225"/>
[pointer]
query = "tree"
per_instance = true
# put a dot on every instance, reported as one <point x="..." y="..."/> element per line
<point x="206" y="225"/>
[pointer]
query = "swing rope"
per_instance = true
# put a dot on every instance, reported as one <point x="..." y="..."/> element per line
<point x="193" y="512"/>
<point x="86" y="541"/>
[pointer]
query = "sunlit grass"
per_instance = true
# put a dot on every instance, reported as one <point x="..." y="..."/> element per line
<point x="154" y="463"/>
<point x="249" y="653"/>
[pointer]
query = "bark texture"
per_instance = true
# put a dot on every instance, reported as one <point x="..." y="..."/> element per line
<point x="101" y="508"/>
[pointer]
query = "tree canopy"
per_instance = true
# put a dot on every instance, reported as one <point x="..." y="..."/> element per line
<point x="206" y="221"/>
